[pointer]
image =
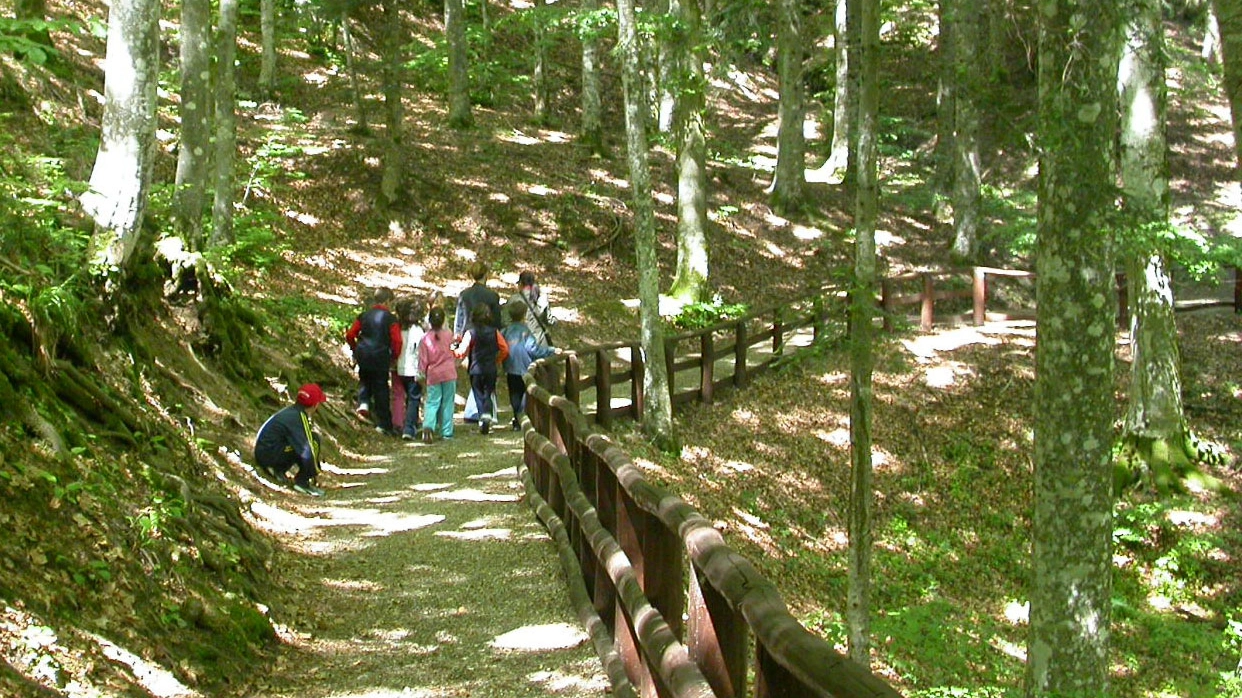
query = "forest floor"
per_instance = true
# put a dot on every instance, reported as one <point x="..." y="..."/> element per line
<point x="364" y="600"/>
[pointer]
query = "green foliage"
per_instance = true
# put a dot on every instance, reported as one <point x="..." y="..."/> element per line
<point x="153" y="521"/>
<point x="705" y="314"/>
<point x="1016" y="207"/>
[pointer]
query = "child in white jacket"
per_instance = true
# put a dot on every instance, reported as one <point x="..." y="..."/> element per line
<point x="412" y="318"/>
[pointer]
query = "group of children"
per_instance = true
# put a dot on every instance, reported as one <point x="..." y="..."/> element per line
<point x="422" y="355"/>
<point x="410" y="347"/>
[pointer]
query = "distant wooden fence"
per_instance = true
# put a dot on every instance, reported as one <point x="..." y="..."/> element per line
<point x="638" y="558"/>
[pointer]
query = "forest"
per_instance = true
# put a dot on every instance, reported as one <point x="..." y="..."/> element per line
<point x="196" y="198"/>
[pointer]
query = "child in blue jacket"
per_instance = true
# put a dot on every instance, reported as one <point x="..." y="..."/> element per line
<point x="523" y="351"/>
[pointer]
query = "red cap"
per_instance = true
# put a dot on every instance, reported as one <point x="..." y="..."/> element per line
<point x="310" y="395"/>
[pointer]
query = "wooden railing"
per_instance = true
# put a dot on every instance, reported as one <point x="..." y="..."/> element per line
<point x="638" y="559"/>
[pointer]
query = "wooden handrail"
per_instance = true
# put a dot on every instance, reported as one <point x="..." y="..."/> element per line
<point x="630" y="538"/>
<point x="634" y="535"/>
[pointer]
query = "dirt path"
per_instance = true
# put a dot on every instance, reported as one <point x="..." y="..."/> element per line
<point x="422" y="573"/>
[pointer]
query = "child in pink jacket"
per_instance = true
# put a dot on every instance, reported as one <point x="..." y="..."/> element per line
<point x="438" y="366"/>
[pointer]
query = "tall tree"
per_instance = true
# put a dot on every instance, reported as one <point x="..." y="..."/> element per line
<point x="539" y="81"/>
<point x="459" y="115"/>
<point x="786" y="188"/>
<point x="657" y="406"/>
<point x="1229" y="21"/>
<point x="690" y="282"/>
<point x="120" y="181"/>
<point x="1071" y="585"/>
<point x="267" y="62"/>
<point x="967" y="77"/>
<point x="843" y="104"/>
<point x="351" y="69"/>
<point x="866" y="206"/>
<point x="1155" y="423"/>
<point x="226" y="125"/>
<point x="591" y="131"/>
<point x="394" y="113"/>
<point x="194" y="153"/>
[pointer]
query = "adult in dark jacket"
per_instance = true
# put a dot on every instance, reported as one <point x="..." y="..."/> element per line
<point x="475" y="295"/>
<point x="288" y="438"/>
<point x="375" y="338"/>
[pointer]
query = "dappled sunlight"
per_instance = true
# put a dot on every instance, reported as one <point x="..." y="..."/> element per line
<point x="472" y="495"/>
<point x="34" y="649"/>
<point x="478" y="534"/>
<point x="540" y="638"/>
<point x="503" y="474"/>
<point x="353" y="585"/>
<point x="559" y="681"/>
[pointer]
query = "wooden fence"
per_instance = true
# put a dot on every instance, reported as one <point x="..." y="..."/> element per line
<point x="638" y="559"/>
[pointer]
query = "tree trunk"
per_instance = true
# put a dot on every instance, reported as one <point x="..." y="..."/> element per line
<point x="120" y="181"/>
<point x="459" y="115"/>
<point x="194" y="153"/>
<point x="355" y="89"/>
<point x="866" y="206"/>
<point x="543" y="108"/>
<point x="592" y="129"/>
<point x="1155" y="408"/>
<point x="267" y="64"/>
<point x="394" y="114"/>
<point x="657" y="407"/>
<point x="1229" y="20"/>
<point x="1071" y="554"/>
<point x="786" y="189"/>
<point x="226" y="125"/>
<point x="834" y="169"/>
<point x="966" y="35"/>
<point x="690" y="283"/>
<point x="946" y="111"/>
<point x="668" y="68"/>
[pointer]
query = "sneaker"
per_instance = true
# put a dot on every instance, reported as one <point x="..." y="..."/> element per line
<point x="426" y="436"/>
<point x="517" y="424"/>
<point x="485" y="426"/>
<point x="407" y="436"/>
<point x="363" y="412"/>
<point x="307" y="489"/>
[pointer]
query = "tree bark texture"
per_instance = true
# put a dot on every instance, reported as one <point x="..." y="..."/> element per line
<point x="838" y="162"/>
<point x="967" y="92"/>
<point x="121" y="178"/>
<point x="690" y="283"/>
<point x="459" y="115"/>
<point x="657" y="408"/>
<point x="862" y="361"/>
<point x="1229" y="21"/>
<point x="194" y="153"/>
<point x="1068" y="641"/>
<point x="1155" y="406"/>
<point x="394" y="114"/>
<point x="267" y="63"/>
<point x="226" y="125"/>
<point x="791" y="143"/>
<point x="592" y="128"/>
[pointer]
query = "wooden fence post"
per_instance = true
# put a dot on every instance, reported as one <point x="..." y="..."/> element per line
<point x="979" y="295"/>
<point x="717" y="637"/>
<point x="707" y="365"/>
<point x="573" y="378"/>
<point x="603" y="388"/>
<point x="927" y="315"/>
<point x="740" y="347"/>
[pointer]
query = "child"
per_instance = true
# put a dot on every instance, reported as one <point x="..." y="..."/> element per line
<point x="288" y="438"/>
<point x="412" y="314"/>
<point x="524" y="350"/>
<point x="438" y="367"/>
<point x="486" y="348"/>
<point x="375" y="338"/>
